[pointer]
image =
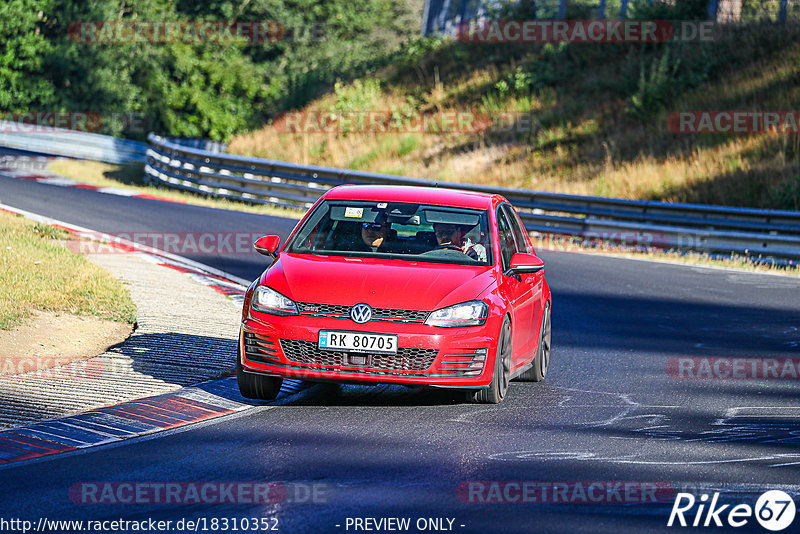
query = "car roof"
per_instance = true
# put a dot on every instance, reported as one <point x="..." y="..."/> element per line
<point x="402" y="193"/>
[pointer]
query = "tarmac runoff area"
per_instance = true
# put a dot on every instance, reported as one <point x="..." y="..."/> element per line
<point x="186" y="333"/>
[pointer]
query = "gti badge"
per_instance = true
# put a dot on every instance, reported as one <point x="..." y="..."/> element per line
<point x="361" y="313"/>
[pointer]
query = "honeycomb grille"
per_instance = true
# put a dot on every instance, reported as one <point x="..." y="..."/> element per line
<point x="378" y="314"/>
<point x="406" y="359"/>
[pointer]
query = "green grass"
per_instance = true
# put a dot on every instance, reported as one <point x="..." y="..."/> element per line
<point x="39" y="273"/>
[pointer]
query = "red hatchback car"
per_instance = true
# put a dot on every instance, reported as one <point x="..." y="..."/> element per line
<point x="404" y="285"/>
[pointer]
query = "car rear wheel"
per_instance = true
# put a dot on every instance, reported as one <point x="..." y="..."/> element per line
<point x="254" y="386"/>
<point x="496" y="391"/>
<point x="541" y="361"/>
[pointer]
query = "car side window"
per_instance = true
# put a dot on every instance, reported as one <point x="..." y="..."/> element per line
<point x="507" y="245"/>
<point x="517" y="229"/>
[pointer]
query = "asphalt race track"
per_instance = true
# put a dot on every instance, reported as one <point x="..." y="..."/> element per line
<point x="608" y="413"/>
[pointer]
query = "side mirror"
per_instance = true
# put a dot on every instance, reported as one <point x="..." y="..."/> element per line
<point x="526" y="263"/>
<point x="268" y="245"/>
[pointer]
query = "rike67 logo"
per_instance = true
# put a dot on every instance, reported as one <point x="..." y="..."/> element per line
<point x="774" y="510"/>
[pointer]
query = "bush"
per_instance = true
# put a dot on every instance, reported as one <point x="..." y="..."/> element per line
<point x="654" y="86"/>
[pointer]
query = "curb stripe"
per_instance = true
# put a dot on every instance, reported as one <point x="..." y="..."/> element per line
<point x="189" y="407"/>
<point x="126" y="420"/>
<point x="63" y="433"/>
<point x="53" y="438"/>
<point x="114" y="432"/>
<point x="166" y="416"/>
<point x="139" y="414"/>
<point x="30" y="443"/>
<point x="18" y="441"/>
<point x="111" y="423"/>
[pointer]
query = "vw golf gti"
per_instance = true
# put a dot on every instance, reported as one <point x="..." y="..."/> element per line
<point x="403" y="285"/>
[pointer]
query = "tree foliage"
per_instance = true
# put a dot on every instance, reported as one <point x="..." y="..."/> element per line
<point x="188" y="89"/>
<point x="22" y="51"/>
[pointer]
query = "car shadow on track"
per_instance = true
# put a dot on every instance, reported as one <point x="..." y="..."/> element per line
<point x="207" y="363"/>
<point x="334" y="394"/>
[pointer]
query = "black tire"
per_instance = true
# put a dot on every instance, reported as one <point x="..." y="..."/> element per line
<point x="541" y="361"/>
<point x="255" y="386"/>
<point x="496" y="391"/>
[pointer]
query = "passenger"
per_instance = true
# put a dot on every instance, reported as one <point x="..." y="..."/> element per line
<point x="453" y="237"/>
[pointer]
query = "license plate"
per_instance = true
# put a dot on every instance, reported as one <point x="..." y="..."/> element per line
<point x="358" y="342"/>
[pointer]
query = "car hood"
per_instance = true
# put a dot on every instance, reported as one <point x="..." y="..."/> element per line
<point x="380" y="283"/>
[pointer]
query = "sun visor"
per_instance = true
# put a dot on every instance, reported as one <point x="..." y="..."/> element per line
<point x="450" y="217"/>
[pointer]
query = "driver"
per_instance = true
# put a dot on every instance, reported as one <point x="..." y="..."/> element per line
<point x="374" y="234"/>
<point x="453" y="237"/>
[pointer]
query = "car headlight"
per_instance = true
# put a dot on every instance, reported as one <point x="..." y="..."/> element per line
<point x="267" y="300"/>
<point x="472" y="313"/>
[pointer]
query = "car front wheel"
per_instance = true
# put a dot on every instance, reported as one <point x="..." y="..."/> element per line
<point x="255" y="386"/>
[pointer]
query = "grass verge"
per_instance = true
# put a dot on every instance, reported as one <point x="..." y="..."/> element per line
<point x="38" y="273"/>
<point x="131" y="177"/>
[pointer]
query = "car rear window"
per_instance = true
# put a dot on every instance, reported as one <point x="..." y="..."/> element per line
<point x="397" y="230"/>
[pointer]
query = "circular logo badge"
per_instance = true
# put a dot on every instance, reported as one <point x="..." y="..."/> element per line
<point x="361" y="313"/>
<point x="775" y="510"/>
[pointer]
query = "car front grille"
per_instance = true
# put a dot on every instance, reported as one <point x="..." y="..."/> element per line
<point x="406" y="359"/>
<point x="337" y="311"/>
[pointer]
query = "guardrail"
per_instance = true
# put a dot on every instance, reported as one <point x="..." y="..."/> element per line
<point x="170" y="162"/>
<point x="752" y="232"/>
<point x="70" y="143"/>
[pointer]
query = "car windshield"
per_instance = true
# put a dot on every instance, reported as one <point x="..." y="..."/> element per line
<point x="396" y="230"/>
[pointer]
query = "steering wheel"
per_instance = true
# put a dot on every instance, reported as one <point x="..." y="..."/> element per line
<point x="449" y="246"/>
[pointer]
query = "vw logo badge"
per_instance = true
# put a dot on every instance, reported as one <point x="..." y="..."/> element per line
<point x="361" y="313"/>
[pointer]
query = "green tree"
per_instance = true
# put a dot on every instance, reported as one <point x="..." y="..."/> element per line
<point x="23" y="83"/>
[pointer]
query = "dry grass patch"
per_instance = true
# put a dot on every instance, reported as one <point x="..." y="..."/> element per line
<point x="585" y="139"/>
<point x="39" y="273"/>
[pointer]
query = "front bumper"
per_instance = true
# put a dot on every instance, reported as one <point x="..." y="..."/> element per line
<point x="427" y="355"/>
